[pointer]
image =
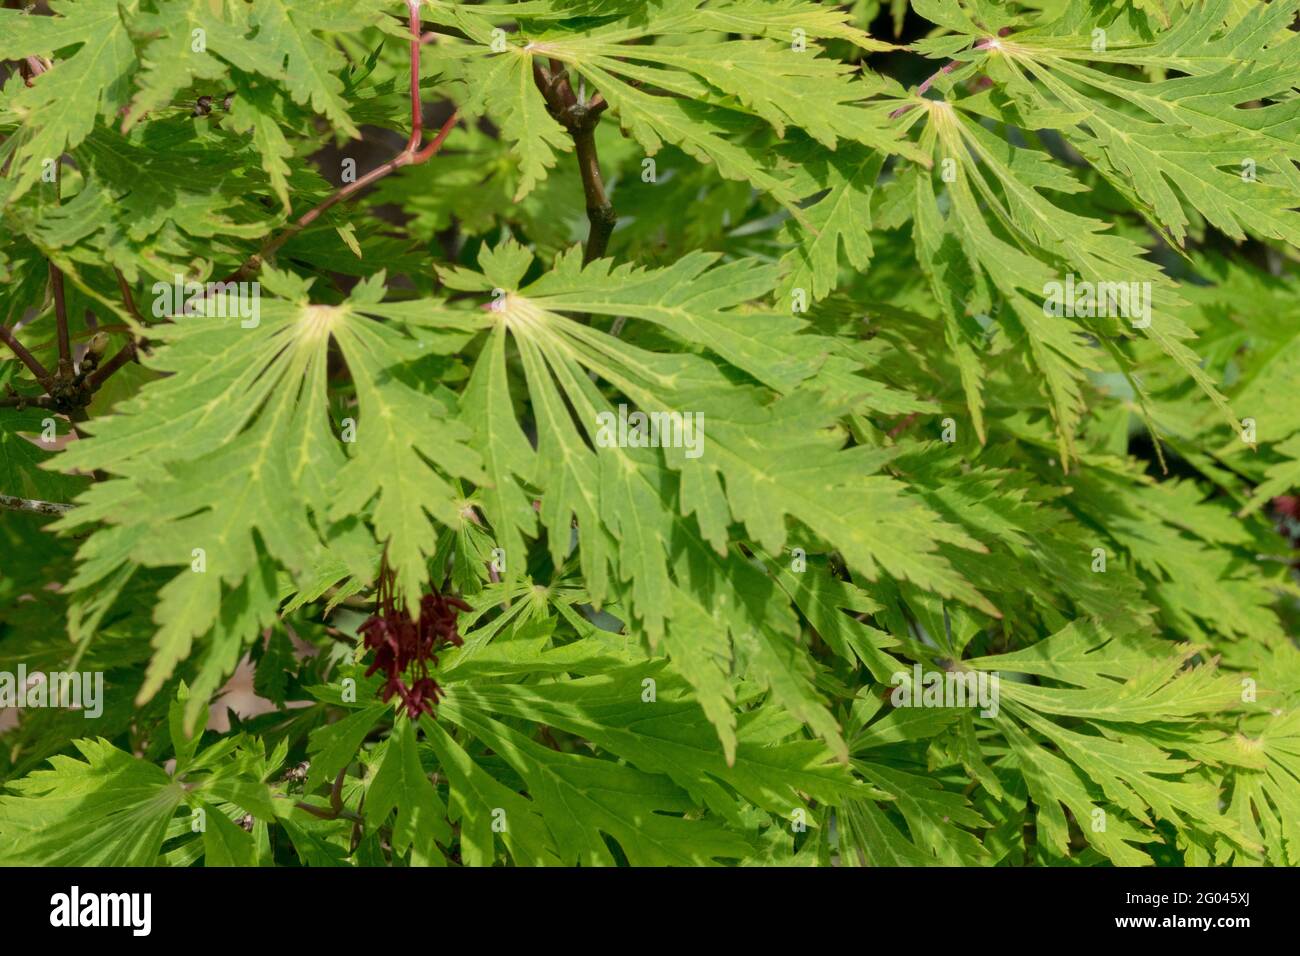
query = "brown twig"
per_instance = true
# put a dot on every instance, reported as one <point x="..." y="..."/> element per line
<point x="61" y="321"/>
<point x="65" y="390"/>
<point x="60" y="299"/>
<point x="580" y="118"/>
<point x="14" y="400"/>
<point x="600" y="211"/>
<point x="33" y="506"/>
<point x="27" y="358"/>
<point x="96" y="378"/>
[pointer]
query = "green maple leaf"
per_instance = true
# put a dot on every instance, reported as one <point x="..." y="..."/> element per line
<point x="111" y="809"/>
<point x="1120" y="686"/>
<point x="778" y="460"/>
<point x="402" y="784"/>
<point x="639" y="810"/>
<point x="710" y="84"/>
<point x="904" y="455"/>
<point x="238" y="391"/>
<point x="60" y="110"/>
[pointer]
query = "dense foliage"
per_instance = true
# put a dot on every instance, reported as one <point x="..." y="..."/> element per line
<point x="598" y="425"/>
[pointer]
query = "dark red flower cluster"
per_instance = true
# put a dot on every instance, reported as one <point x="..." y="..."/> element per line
<point x="404" y="647"/>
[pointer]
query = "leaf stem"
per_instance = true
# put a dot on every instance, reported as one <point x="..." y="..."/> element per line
<point x="950" y="66"/>
<point x="127" y="299"/>
<point x="411" y="155"/>
<point x="417" y="110"/>
<point x="337" y="809"/>
<point x="404" y="158"/>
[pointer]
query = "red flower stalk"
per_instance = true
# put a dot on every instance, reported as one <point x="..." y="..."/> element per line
<point x="404" y="648"/>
